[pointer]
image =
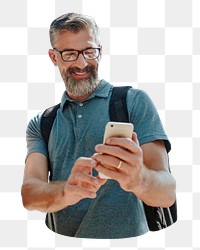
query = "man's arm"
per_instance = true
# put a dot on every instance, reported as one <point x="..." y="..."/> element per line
<point x="159" y="186"/>
<point x="38" y="194"/>
<point x="144" y="170"/>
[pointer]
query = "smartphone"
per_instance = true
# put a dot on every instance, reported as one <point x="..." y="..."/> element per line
<point x="116" y="129"/>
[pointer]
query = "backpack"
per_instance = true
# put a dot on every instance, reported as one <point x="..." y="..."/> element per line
<point x="157" y="217"/>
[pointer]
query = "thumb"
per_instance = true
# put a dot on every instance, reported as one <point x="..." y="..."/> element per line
<point x="135" y="139"/>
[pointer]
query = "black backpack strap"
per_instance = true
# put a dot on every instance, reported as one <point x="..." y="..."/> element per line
<point x="47" y="121"/>
<point x="157" y="217"/>
<point x="118" y="108"/>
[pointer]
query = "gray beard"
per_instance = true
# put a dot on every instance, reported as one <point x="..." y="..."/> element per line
<point x="81" y="87"/>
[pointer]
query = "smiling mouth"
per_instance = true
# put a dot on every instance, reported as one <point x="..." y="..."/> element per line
<point x="81" y="74"/>
<point x="78" y="73"/>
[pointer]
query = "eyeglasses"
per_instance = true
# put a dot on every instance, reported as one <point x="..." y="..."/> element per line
<point x="72" y="55"/>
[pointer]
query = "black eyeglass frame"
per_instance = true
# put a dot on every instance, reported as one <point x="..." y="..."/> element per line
<point x="79" y="52"/>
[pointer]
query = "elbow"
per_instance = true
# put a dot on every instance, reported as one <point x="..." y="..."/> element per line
<point x="171" y="200"/>
<point x="25" y="194"/>
<point x="172" y="194"/>
<point x="167" y="197"/>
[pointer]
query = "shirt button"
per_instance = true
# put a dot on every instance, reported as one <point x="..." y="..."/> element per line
<point x="79" y="116"/>
<point x="81" y="104"/>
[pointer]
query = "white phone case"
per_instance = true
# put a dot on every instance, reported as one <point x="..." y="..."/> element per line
<point x="116" y="129"/>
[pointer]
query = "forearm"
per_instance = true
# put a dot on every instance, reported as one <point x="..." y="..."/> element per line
<point x="156" y="188"/>
<point x="43" y="196"/>
<point x="38" y="194"/>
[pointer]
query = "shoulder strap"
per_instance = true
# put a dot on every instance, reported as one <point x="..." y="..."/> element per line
<point x="47" y="121"/>
<point x="157" y="217"/>
<point x="118" y="108"/>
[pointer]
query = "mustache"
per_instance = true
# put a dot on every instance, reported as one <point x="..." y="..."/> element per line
<point x="78" y="70"/>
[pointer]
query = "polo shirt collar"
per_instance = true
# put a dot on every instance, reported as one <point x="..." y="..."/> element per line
<point x="102" y="91"/>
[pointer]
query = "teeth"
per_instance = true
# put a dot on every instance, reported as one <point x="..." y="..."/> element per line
<point x="79" y="73"/>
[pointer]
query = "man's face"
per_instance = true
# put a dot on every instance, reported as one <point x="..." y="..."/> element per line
<point x="80" y="76"/>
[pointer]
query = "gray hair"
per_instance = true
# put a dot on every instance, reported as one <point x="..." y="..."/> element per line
<point x="73" y="22"/>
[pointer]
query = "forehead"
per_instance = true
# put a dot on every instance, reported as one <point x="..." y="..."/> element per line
<point x="78" y="40"/>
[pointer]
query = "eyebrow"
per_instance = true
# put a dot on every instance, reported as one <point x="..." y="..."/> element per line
<point x="67" y="49"/>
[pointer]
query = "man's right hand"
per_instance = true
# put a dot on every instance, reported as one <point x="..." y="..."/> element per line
<point x="81" y="184"/>
<point x="39" y="194"/>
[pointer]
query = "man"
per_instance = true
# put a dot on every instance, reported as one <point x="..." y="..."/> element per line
<point x="77" y="201"/>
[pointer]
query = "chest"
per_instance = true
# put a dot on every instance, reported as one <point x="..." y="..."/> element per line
<point x="75" y="133"/>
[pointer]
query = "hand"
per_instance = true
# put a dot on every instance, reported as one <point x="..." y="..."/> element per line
<point x="81" y="184"/>
<point x="122" y="160"/>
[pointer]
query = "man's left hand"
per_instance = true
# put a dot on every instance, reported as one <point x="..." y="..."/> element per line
<point x="121" y="159"/>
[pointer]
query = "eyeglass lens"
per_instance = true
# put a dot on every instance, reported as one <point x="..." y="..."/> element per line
<point x="88" y="54"/>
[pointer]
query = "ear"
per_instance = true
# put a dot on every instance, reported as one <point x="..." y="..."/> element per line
<point x="52" y="56"/>
<point x="100" y="54"/>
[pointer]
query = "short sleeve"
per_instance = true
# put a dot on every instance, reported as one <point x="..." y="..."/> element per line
<point x="145" y="118"/>
<point x="34" y="139"/>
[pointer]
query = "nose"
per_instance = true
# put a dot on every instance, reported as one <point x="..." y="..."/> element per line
<point x="81" y="62"/>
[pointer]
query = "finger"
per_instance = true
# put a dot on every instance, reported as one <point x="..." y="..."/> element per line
<point x="92" y="186"/>
<point x="81" y="191"/>
<point x="135" y="139"/>
<point x="125" y="143"/>
<point x="115" y="151"/>
<point x="89" y="187"/>
<point x="113" y="174"/>
<point x="111" y="155"/>
<point x="107" y="160"/>
<point x="83" y="178"/>
<point x="102" y="181"/>
<point x="84" y="164"/>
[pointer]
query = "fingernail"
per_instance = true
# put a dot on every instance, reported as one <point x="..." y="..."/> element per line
<point x="107" y="141"/>
<point x="96" y="181"/>
<point x="93" y="162"/>
<point x="93" y="195"/>
<point x="94" y="156"/>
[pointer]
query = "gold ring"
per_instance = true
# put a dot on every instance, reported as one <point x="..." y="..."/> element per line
<point x="119" y="165"/>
